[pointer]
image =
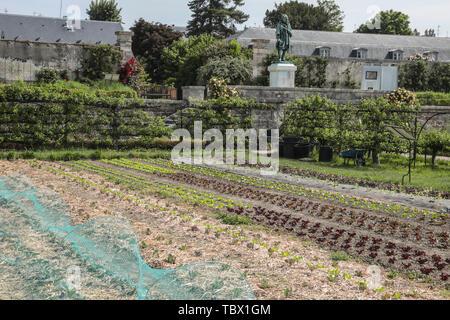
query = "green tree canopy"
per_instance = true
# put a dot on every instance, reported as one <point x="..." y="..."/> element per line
<point x="326" y="16"/>
<point x="105" y="10"/>
<point x="215" y="17"/>
<point x="149" y="41"/>
<point x="434" y="141"/>
<point x="387" y="22"/>
<point x="237" y="70"/>
<point x="184" y="58"/>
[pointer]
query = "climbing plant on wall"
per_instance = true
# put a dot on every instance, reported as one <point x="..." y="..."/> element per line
<point x="99" y="60"/>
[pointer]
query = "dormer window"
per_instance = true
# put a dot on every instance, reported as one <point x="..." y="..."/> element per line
<point x="324" y="51"/>
<point x="433" y="55"/>
<point x="360" y="53"/>
<point x="396" y="54"/>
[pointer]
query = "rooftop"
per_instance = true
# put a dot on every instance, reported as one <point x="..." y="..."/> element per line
<point x="304" y="42"/>
<point x="47" y="29"/>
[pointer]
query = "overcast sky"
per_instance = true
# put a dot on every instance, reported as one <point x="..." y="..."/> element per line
<point x="423" y="14"/>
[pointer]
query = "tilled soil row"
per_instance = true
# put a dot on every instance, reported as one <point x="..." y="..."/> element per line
<point x="306" y="280"/>
<point x="361" y="240"/>
<point x="431" y="232"/>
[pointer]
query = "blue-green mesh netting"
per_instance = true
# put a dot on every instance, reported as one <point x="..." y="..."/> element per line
<point x="39" y="251"/>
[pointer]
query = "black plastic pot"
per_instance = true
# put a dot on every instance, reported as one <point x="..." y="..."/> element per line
<point x="296" y="150"/>
<point x="302" y="150"/>
<point x="292" y="139"/>
<point x="326" y="154"/>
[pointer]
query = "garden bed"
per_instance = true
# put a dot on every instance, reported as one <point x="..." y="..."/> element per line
<point x="181" y="213"/>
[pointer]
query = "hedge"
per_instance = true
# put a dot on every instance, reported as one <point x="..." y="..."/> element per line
<point x="33" y="117"/>
<point x="433" y="98"/>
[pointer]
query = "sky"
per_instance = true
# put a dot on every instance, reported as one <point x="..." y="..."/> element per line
<point x="423" y="14"/>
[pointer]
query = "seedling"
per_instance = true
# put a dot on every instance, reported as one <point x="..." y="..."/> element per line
<point x="171" y="259"/>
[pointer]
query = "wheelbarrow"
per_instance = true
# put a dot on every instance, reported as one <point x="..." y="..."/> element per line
<point x="358" y="157"/>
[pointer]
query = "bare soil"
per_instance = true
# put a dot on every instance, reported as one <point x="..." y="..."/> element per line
<point x="270" y="275"/>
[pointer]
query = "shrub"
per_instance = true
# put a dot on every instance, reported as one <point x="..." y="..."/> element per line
<point x="222" y="113"/>
<point x="433" y="98"/>
<point x="423" y="75"/>
<point x="134" y="75"/>
<point x="311" y="71"/>
<point x="237" y="70"/>
<point x="439" y="77"/>
<point x="402" y="96"/>
<point x="219" y="88"/>
<point x="414" y="75"/>
<point x="100" y="59"/>
<point x="49" y="75"/>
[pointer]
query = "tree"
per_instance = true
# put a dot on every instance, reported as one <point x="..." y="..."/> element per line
<point x="326" y="16"/>
<point x="215" y="17"/>
<point x="414" y="76"/>
<point x="376" y="116"/>
<point x="439" y="79"/>
<point x="387" y="22"/>
<point x="434" y="141"/>
<point x="105" y="10"/>
<point x="184" y="58"/>
<point x="149" y="41"/>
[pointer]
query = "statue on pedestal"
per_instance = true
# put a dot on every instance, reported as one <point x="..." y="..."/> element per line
<point x="284" y="34"/>
<point x="282" y="72"/>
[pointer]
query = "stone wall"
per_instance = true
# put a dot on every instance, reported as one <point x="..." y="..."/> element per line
<point x="23" y="59"/>
<point x="339" y="70"/>
<point x="162" y="108"/>
<point x="441" y="121"/>
<point x="280" y="95"/>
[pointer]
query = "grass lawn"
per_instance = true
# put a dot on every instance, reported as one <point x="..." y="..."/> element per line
<point x="391" y="170"/>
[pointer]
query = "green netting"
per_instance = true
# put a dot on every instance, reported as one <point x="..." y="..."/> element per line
<point x="40" y="252"/>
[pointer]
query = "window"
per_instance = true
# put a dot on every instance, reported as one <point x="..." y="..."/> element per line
<point x="360" y="53"/>
<point x="397" y="55"/>
<point x="324" y="52"/>
<point x="371" y="75"/>
<point x="434" y="55"/>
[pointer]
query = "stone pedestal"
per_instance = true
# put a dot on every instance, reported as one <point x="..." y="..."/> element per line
<point x="124" y="42"/>
<point x="282" y="75"/>
<point x="193" y="93"/>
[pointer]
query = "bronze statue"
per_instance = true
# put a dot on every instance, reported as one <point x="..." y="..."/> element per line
<point x="284" y="33"/>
